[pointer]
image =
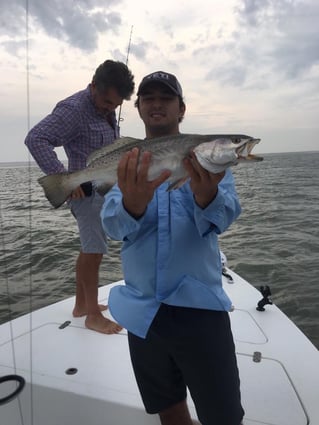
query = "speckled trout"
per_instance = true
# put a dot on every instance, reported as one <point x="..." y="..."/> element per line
<point x="215" y="153"/>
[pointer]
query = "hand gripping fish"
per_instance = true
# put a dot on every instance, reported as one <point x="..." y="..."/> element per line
<point x="215" y="153"/>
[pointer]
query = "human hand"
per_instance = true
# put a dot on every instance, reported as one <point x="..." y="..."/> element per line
<point x="133" y="182"/>
<point x="204" y="184"/>
<point x="77" y="193"/>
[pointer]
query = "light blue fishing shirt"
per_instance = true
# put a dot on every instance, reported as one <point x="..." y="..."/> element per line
<point x="171" y="254"/>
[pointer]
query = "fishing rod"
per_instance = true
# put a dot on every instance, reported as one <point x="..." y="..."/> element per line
<point x="126" y="62"/>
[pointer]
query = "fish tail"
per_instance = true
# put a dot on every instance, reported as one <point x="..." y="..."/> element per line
<point x="55" y="189"/>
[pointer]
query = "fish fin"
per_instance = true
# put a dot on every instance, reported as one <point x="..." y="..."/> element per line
<point x="176" y="184"/>
<point x="54" y="189"/>
<point x="103" y="188"/>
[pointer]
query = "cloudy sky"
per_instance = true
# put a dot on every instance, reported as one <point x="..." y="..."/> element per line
<point x="246" y="66"/>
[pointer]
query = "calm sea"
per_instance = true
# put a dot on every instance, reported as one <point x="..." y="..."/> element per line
<point x="275" y="241"/>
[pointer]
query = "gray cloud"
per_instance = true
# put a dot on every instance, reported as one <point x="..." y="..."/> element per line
<point x="228" y="73"/>
<point x="180" y="47"/>
<point x="256" y="13"/>
<point x="139" y="50"/>
<point x="289" y="30"/>
<point x="12" y="17"/>
<point x="273" y="39"/>
<point x="77" y="23"/>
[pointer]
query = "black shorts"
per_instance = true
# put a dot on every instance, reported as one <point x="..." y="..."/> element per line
<point x="187" y="347"/>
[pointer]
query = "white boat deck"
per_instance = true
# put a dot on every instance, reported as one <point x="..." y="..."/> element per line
<point x="280" y="389"/>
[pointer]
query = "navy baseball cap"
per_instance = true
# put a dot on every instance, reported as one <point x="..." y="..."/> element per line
<point x="169" y="80"/>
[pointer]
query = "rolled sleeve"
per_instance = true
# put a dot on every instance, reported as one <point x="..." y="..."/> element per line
<point x="222" y="211"/>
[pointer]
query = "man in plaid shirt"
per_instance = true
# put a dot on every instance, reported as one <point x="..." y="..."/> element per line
<point x="82" y="123"/>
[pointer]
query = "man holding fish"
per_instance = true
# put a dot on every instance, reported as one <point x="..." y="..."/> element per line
<point x="173" y="304"/>
<point x="83" y="123"/>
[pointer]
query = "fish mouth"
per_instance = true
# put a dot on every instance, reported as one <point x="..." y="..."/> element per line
<point x="244" y="151"/>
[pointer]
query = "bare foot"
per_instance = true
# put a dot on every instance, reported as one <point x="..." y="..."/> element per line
<point x="99" y="323"/>
<point x="78" y="312"/>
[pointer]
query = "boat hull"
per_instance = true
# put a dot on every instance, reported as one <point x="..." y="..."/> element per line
<point x="75" y="376"/>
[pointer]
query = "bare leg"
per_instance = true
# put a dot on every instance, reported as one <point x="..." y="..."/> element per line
<point x="80" y="308"/>
<point x="87" y="277"/>
<point x="177" y="415"/>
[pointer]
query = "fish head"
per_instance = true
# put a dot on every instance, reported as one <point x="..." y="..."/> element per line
<point x="217" y="155"/>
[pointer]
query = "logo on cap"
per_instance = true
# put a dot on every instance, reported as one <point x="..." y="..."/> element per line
<point x="159" y="75"/>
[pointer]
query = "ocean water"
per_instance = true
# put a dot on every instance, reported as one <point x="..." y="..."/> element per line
<point x="274" y="242"/>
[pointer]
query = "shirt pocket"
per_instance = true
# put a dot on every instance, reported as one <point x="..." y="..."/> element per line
<point x="100" y="134"/>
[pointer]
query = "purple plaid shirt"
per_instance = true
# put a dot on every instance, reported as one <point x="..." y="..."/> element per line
<point x="74" y="124"/>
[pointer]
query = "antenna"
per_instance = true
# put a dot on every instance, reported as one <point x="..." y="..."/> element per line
<point x="129" y="46"/>
<point x="126" y="62"/>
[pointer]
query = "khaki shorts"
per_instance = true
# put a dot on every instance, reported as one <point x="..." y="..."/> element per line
<point x="87" y="214"/>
